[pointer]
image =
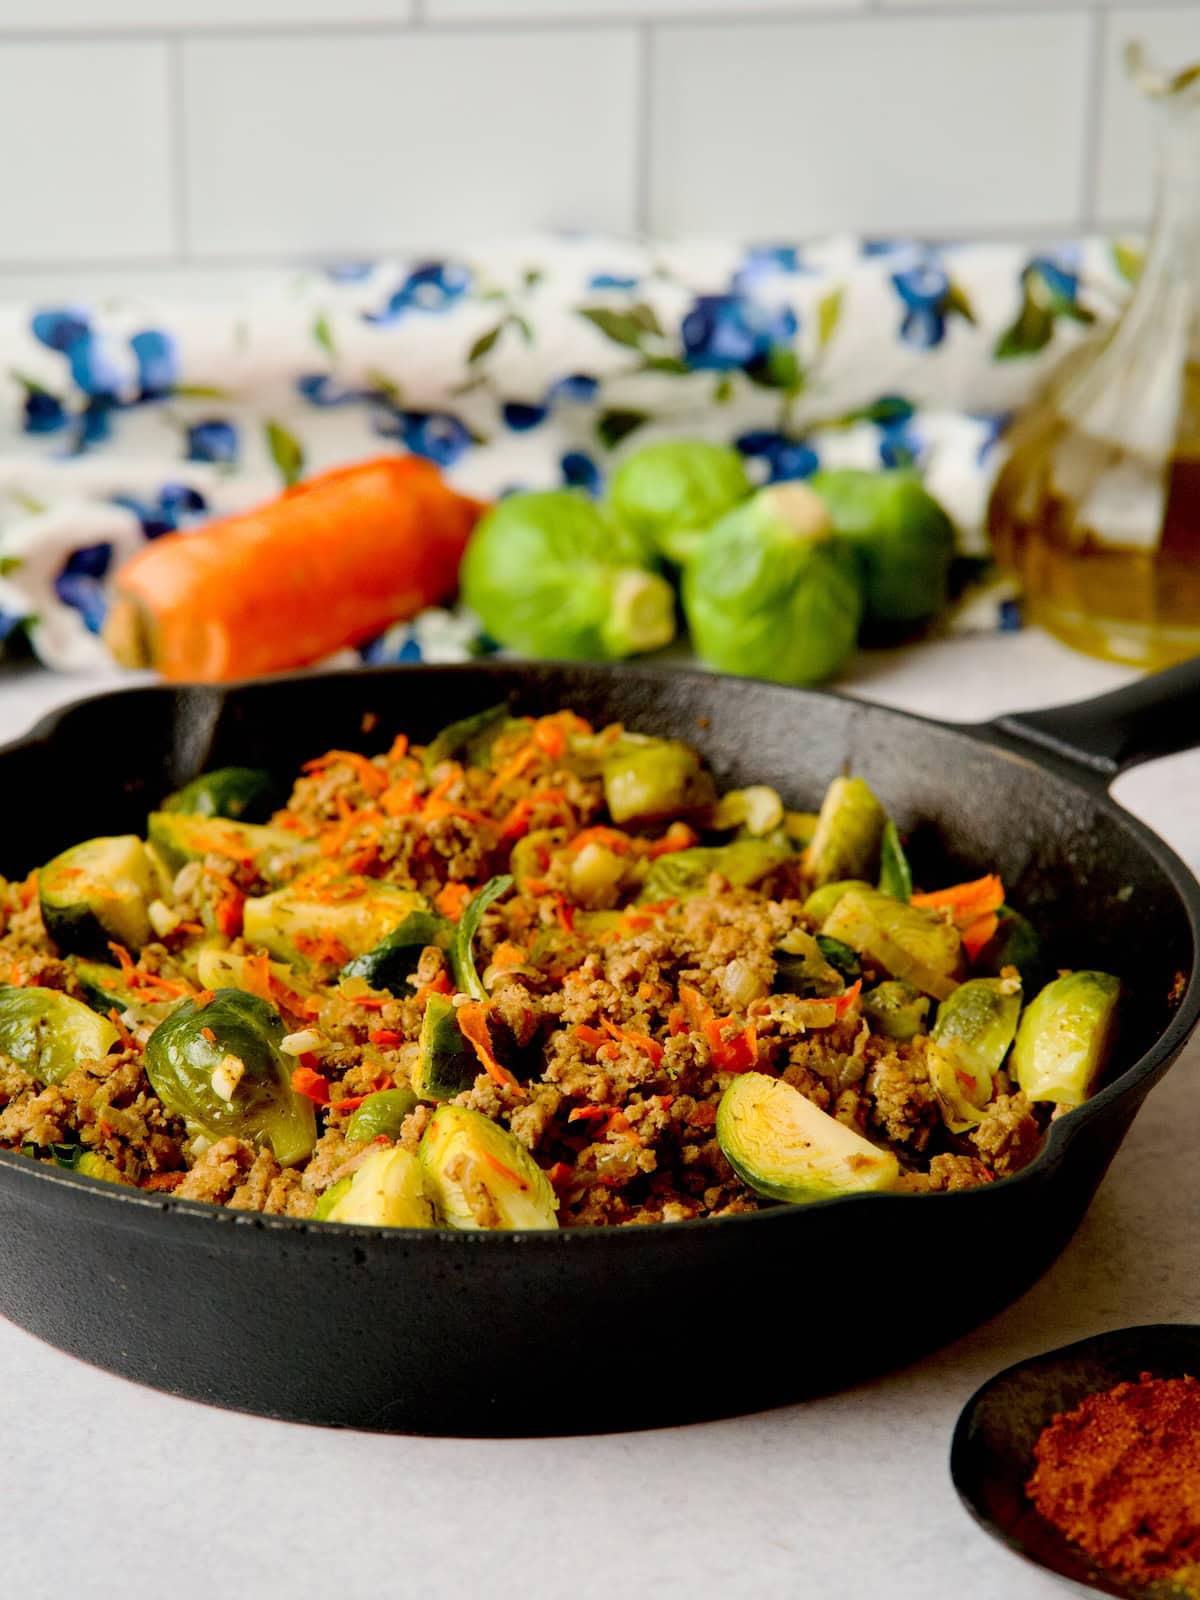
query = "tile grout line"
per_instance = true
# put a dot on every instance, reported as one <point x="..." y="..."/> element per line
<point x="178" y="149"/>
<point x="1093" y="109"/>
<point x="643" y="114"/>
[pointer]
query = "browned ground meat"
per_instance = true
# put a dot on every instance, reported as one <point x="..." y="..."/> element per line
<point x="616" y="1022"/>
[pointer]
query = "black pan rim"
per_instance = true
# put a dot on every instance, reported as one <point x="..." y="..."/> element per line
<point x="140" y="1207"/>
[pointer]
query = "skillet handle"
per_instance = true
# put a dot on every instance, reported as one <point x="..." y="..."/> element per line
<point x="1157" y="716"/>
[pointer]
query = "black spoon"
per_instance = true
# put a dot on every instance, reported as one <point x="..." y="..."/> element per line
<point x="991" y="1457"/>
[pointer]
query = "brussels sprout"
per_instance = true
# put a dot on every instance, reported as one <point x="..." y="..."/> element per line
<point x="387" y="1191"/>
<point x="238" y="792"/>
<point x="447" y="1063"/>
<point x="840" y="957"/>
<point x="178" y="838"/>
<point x="480" y="1177"/>
<point x="849" y="830"/>
<point x="530" y="857"/>
<point x="220" y="1067"/>
<point x="743" y="863"/>
<point x="462" y="957"/>
<point x="671" y="494"/>
<point x="328" y="922"/>
<point x="907" y="941"/>
<point x="771" y="594"/>
<point x="648" y="779"/>
<point x="92" y="1164"/>
<point x="329" y="1200"/>
<point x="895" y="874"/>
<point x="549" y="575"/>
<point x="821" y="902"/>
<point x="381" y="1113"/>
<point x="1065" y="1037"/>
<point x="802" y="967"/>
<point x="105" y="989"/>
<point x="970" y="1039"/>
<point x="757" y="811"/>
<point x="785" y="1148"/>
<point x="800" y="826"/>
<point x="49" y="1034"/>
<point x="1014" y="944"/>
<point x="390" y="963"/>
<point x="903" y="538"/>
<point x="471" y="737"/>
<point x="896" y="1010"/>
<point x="97" y="891"/>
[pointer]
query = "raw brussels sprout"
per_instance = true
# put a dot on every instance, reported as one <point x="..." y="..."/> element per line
<point x="757" y="811"/>
<point x="802" y="966"/>
<point x="1014" y="944"/>
<point x="909" y="942"/>
<point x="469" y="738"/>
<point x="895" y="874"/>
<point x="771" y="593"/>
<point x="387" y="1191"/>
<point x="821" y="902"/>
<point x="381" y="1113"/>
<point x="785" y="1148"/>
<point x="49" y="1034"/>
<point x="849" y="830"/>
<point x="648" y="779"/>
<point x="243" y="793"/>
<point x="970" y="1039"/>
<point x="1065" y="1037"/>
<point x="903" y="538"/>
<point x="220" y="1067"/>
<point x="896" y="1010"/>
<point x="549" y="575"/>
<point x="480" y="1177"/>
<point x="671" y="494"/>
<point x="685" y="872"/>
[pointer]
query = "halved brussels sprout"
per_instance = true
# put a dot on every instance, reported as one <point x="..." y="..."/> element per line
<point x="909" y="942"/>
<point x="758" y="810"/>
<point x="970" y="1039"/>
<point x="743" y="863"/>
<point x="1066" y="1035"/>
<point x="849" y="829"/>
<point x="106" y="989"/>
<point x="220" y="1067"/>
<point x="224" y="969"/>
<point x="1014" y="944"/>
<point x="178" y="838"/>
<point x="530" y="857"/>
<point x="480" y="1177"/>
<point x="840" y="957"/>
<point x="462" y="953"/>
<point x="328" y="1201"/>
<point x="389" y="964"/>
<point x="895" y="874"/>
<point x="97" y="891"/>
<point x="49" y="1034"/>
<point x="896" y="1010"/>
<point x="821" y="902"/>
<point x="237" y="792"/>
<point x="470" y="738"/>
<point x="447" y="1063"/>
<point x="785" y="1148"/>
<point x="800" y="826"/>
<point x="383" y="1112"/>
<point x="329" y="922"/>
<point x="802" y="967"/>
<point x="92" y="1164"/>
<point x="647" y="779"/>
<point x="387" y="1191"/>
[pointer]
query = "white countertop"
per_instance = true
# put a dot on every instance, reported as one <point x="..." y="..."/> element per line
<point x="110" y="1489"/>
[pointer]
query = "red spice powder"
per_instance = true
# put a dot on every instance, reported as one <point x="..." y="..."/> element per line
<point x="1120" y="1477"/>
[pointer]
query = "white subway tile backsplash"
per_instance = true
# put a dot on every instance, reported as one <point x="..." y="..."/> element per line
<point x="1128" y="121"/>
<point x="86" y="142"/>
<point x="922" y="124"/>
<point x="167" y="15"/>
<point x="376" y="141"/>
<point x="581" y="10"/>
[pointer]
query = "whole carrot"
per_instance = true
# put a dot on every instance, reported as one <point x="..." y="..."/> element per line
<point x="329" y="563"/>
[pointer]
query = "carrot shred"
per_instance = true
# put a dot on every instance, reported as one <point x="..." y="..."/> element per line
<point x="439" y="985"/>
<point x="842" y="1003"/>
<point x="202" y="998"/>
<point x="640" y="1041"/>
<point x="696" y="1010"/>
<point x="587" y="1113"/>
<point x="966" y="902"/>
<point x="162" y="1182"/>
<point x="123" y="1033"/>
<point x="565" y="912"/>
<point x="228" y="912"/>
<point x="611" y="838"/>
<point x="311" y="1085"/>
<point x="731" y="1054"/>
<point x="124" y="961"/>
<point x="677" y="837"/>
<point x="386" y="1036"/>
<point x="559" y="1173"/>
<point x="525" y="757"/>
<point x="400" y="798"/>
<point x="473" y="1024"/>
<point x="587" y="1034"/>
<point x="350" y="1102"/>
<point x="207" y="1033"/>
<point x="977" y="934"/>
<point x="452" y="899"/>
<point x="550" y="738"/>
<point x="398" y="749"/>
<point x="507" y="955"/>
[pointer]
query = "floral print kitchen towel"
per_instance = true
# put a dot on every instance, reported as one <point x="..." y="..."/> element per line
<point x="530" y="364"/>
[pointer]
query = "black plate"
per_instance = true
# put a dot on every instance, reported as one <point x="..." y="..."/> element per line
<point x="592" y="1329"/>
<point x="991" y="1458"/>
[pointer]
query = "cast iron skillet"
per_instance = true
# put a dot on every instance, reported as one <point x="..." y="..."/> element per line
<point x="504" y="1333"/>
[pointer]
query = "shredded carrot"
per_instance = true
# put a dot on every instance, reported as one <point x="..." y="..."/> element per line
<point x="322" y="947"/>
<point x="525" y="757"/>
<point x="609" y="1052"/>
<point x="123" y="1033"/>
<point x="351" y="1102"/>
<point x="507" y="955"/>
<point x="204" y="997"/>
<point x="620" y="1124"/>
<point x="257" y="970"/>
<point x="386" y="1036"/>
<point x="311" y="1085"/>
<point x="29" y="888"/>
<point x="207" y="1033"/>
<point x="369" y="775"/>
<point x="398" y="749"/>
<point x="452" y="899"/>
<point x="516" y="823"/>
<point x="611" y="838"/>
<point x="124" y="961"/>
<point x="400" y="798"/>
<point x="550" y="738"/>
<point x="162" y="1182"/>
<point x="17" y="975"/>
<point x="565" y="912"/>
<point x="228" y="913"/>
<point x="842" y="1003"/>
<point x="559" y="1173"/>
<point x="505" y="1172"/>
<point x="977" y="934"/>
<point x="473" y="1025"/>
<point x="696" y="1009"/>
<point x="587" y="1034"/>
<point x="188" y="927"/>
<point x="588" y="1114"/>
<point x="443" y="787"/>
<point x="640" y="1041"/>
<point x="736" y="1053"/>
<point x="677" y="1021"/>
<point x="677" y="837"/>
<point x="439" y="985"/>
<point x="966" y="902"/>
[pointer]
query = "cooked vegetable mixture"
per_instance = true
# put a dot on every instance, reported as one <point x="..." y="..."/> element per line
<point x="531" y="975"/>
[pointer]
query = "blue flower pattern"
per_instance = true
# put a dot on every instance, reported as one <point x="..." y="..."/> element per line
<point x="432" y="287"/>
<point x="728" y="333"/>
<point x="785" y="458"/>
